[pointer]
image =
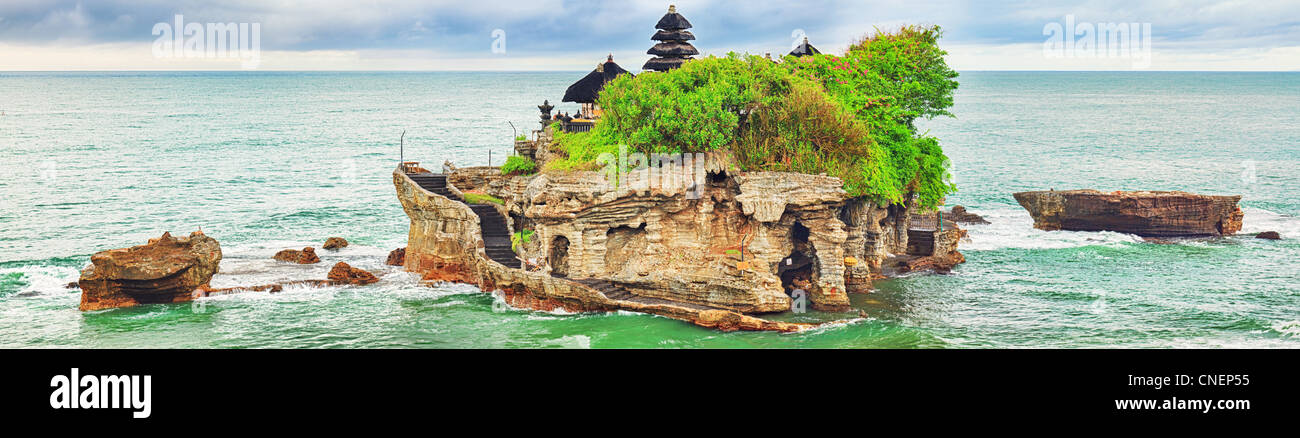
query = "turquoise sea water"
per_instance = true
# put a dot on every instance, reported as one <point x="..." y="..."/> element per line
<point x="266" y="161"/>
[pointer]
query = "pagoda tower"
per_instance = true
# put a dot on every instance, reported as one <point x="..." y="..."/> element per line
<point x="672" y="48"/>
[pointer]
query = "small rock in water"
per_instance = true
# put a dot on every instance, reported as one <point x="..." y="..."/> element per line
<point x="342" y="273"/>
<point x="397" y="257"/>
<point x="335" y="243"/>
<point x="72" y="285"/>
<point x="961" y="216"/>
<point x="305" y="257"/>
<point x="166" y="270"/>
<point x="1270" y="235"/>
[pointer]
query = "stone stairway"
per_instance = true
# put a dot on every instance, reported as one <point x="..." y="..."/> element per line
<point x="496" y="236"/>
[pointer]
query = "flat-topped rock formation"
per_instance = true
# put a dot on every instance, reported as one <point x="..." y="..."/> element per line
<point x="166" y="270"/>
<point x="1144" y="213"/>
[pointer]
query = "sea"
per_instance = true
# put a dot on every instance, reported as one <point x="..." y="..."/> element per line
<point x="264" y="161"/>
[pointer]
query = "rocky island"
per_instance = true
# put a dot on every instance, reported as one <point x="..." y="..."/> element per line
<point x="754" y="190"/>
<point x="1144" y="213"/>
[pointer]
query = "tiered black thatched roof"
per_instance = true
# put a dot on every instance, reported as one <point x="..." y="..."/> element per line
<point x="587" y="88"/>
<point x="805" y="49"/>
<point x="673" y="48"/>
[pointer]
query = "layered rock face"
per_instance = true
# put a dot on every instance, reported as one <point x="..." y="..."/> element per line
<point x="166" y="270"/>
<point x="666" y="240"/>
<point x="445" y="245"/>
<point x="1147" y="214"/>
<point x="702" y="234"/>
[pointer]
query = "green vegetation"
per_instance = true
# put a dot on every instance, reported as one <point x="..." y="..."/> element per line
<point x="481" y="198"/>
<point x="519" y="165"/>
<point x="520" y="238"/>
<point x="521" y="138"/>
<point x="849" y="116"/>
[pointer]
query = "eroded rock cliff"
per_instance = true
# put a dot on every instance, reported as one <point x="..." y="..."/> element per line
<point x="1144" y="213"/>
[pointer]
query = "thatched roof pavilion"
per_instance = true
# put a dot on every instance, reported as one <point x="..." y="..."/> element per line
<point x="805" y="49"/>
<point x="672" y="48"/>
<point x="587" y="88"/>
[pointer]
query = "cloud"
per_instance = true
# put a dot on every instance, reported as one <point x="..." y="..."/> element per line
<point x="980" y="35"/>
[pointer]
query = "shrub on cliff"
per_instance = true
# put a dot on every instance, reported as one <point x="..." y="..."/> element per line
<point x="849" y="116"/>
<point x="518" y="165"/>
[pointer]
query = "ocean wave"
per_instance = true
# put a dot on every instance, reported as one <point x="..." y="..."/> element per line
<point x="1289" y="329"/>
<point x="830" y="326"/>
<point x="36" y="279"/>
<point x="1014" y="229"/>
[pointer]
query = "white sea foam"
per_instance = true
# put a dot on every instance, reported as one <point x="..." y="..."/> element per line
<point x="572" y="341"/>
<point x="822" y="328"/>
<point x="1258" y="220"/>
<point x="43" y="280"/>
<point x="1014" y="228"/>
<point x="1290" y="329"/>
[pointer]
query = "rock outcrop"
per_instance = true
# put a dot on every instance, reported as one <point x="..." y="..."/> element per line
<point x="704" y="242"/>
<point x="397" y="257"/>
<point x="959" y="215"/>
<point x="1270" y="235"/>
<point x="1144" y="213"/>
<point x="306" y="256"/>
<point x="342" y="273"/>
<point x="166" y="270"/>
<point x="335" y="243"/>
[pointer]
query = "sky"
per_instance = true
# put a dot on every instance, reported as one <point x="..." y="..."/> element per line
<point x="512" y="35"/>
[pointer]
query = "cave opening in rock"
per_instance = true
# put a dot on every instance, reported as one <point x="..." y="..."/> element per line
<point x="623" y="245"/>
<point x="797" y="269"/>
<point x="558" y="256"/>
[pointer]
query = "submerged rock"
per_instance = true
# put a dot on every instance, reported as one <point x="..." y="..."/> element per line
<point x="1270" y="235"/>
<point x="166" y="270"/>
<point x="335" y="243"/>
<point x="397" y="257"/>
<point x="959" y="215"/>
<point x="1144" y="213"/>
<point x="305" y="257"/>
<point x="342" y="273"/>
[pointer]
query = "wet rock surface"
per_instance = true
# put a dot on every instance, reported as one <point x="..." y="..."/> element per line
<point x="959" y="215"/>
<point x="1144" y="213"/>
<point x="1269" y="235"/>
<point x="166" y="270"/>
<point x="306" y="256"/>
<point x="342" y="273"/>
<point x="397" y="257"/>
<point x="335" y="243"/>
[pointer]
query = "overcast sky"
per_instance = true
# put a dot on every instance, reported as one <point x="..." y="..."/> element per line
<point x="575" y="34"/>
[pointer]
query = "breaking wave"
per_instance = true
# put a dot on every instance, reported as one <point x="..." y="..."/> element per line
<point x="1014" y="229"/>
